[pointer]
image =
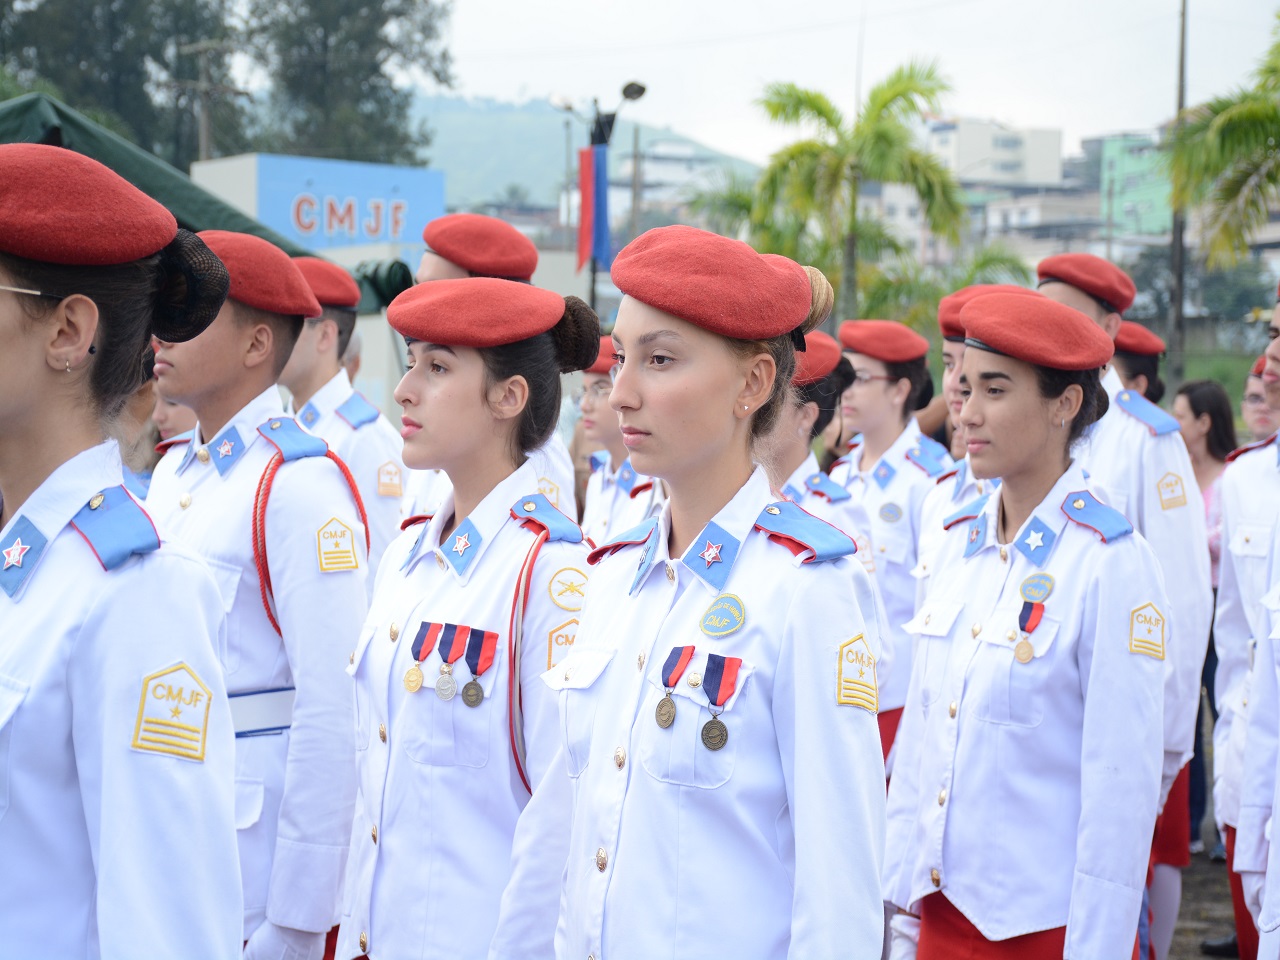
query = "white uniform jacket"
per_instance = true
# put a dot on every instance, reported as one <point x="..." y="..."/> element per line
<point x="370" y="446"/>
<point x="617" y="500"/>
<point x="295" y="766"/>
<point x="1137" y="458"/>
<point x="955" y="489"/>
<point x="1028" y="777"/>
<point x="769" y="846"/>
<point x="117" y="829"/>
<point x="892" y="493"/>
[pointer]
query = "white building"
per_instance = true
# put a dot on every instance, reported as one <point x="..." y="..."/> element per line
<point x="988" y="152"/>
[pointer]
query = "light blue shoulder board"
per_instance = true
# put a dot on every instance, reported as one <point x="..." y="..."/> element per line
<point x="357" y="411"/>
<point x="1087" y="510"/>
<point x="930" y="458"/>
<point x="538" y="509"/>
<point x="823" y="485"/>
<point x="788" y="524"/>
<point x="116" y="527"/>
<point x="291" y="440"/>
<point x="1155" y="419"/>
<point x="968" y="512"/>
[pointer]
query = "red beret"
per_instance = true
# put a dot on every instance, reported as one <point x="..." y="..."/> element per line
<point x="1036" y="330"/>
<point x="1258" y="366"/>
<point x="1135" y="338"/>
<point x="262" y="275"/>
<point x="483" y="246"/>
<point x="58" y="206"/>
<point x="949" y="307"/>
<point x="885" y="340"/>
<point x="331" y="284"/>
<point x="713" y="282"/>
<point x="475" y="312"/>
<point x="604" y="359"/>
<point x="1099" y="278"/>
<point x="820" y="356"/>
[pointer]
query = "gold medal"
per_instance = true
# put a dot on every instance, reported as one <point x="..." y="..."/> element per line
<point x="472" y="694"/>
<point x="666" y="712"/>
<point x="714" y="734"/>
<point x="1024" y="651"/>
<point x="413" y="679"/>
<point x="446" y="687"/>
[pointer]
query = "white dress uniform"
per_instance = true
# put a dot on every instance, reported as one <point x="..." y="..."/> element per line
<point x="892" y="493"/>
<point x="1028" y="781"/>
<point x="955" y="488"/>
<point x="291" y="701"/>
<point x="1137" y="459"/>
<point x="371" y="447"/>
<point x="116" y="807"/>
<point x="617" y="500"/>
<point x="1250" y="508"/>
<point x="751" y="828"/>
<point x="439" y="793"/>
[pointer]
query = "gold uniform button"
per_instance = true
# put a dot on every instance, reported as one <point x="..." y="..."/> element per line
<point x="184" y="501"/>
<point x="953" y="709"/>
<point x="202" y="455"/>
<point x="382" y="732"/>
<point x="1246" y="538"/>
<point x="695" y="680"/>
<point x="352" y="658"/>
<point x="602" y="860"/>
<point x="882" y="548"/>
<point x="394" y="633"/>
<point x="927" y="618"/>
<point x="275" y="424"/>
<point x="364" y="941"/>
<point x="976" y="629"/>
<point x="530" y="506"/>
<point x="1011" y="635"/>
<point x="439" y="561"/>
<point x="1004" y="554"/>
<point x="671" y="573"/>
<point x="96" y="502"/>
<point x="935" y="877"/>
<point x="1078" y="504"/>
<point x="375" y="834"/>
<point x="620" y="758"/>
<point x="942" y="797"/>
<point x="640" y="662"/>
<point x="772" y="511"/>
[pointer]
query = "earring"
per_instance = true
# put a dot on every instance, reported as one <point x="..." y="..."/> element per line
<point x="1064" y="423"/>
<point x="68" y="366"/>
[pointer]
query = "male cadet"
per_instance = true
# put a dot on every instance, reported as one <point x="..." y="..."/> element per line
<point x="274" y="517"/>
<point x="1136" y="455"/>
<point x="470" y="245"/>
<point x="326" y="404"/>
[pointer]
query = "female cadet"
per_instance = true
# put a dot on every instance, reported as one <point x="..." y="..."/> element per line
<point x="1036" y="696"/>
<point x="117" y="830"/>
<point x="617" y="497"/>
<point x="453" y="723"/>
<point x="719" y="710"/>
<point x="1137" y="360"/>
<point x="889" y="469"/>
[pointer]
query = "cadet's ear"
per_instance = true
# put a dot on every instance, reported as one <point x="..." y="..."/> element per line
<point x="508" y="398"/>
<point x="259" y="345"/>
<point x="70" y="332"/>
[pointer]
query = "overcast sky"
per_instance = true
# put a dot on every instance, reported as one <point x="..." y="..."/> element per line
<point x="1086" y="67"/>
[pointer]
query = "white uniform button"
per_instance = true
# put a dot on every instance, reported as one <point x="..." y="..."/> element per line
<point x="602" y="860"/>
<point x="953" y="709"/>
<point x="202" y="455"/>
<point x="620" y="758"/>
<point x="382" y="732"/>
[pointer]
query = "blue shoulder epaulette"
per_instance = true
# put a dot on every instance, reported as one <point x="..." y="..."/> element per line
<point x="1241" y="451"/>
<point x="824" y="486"/>
<point x="788" y="524"/>
<point x="628" y="538"/>
<point x="115" y="527"/>
<point x="175" y="440"/>
<point x="599" y="459"/>
<point x="937" y="450"/>
<point x="932" y="461"/>
<point x="537" y="509"/>
<point x="291" y="440"/>
<point x="1088" y="511"/>
<point x="968" y="512"/>
<point x="1155" y="419"/>
<point x="357" y="411"/>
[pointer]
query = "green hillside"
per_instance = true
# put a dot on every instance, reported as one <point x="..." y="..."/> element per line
<point x="485" y="146"/>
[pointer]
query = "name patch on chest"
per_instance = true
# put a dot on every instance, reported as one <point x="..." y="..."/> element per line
<point x="891" y="513"/>
<point x="725" y="615"/>
<point x="173" y="714"/>
<point x="336" y="547"/>
<point x="1037" y="587"/>
<point x="1146" y="631"/>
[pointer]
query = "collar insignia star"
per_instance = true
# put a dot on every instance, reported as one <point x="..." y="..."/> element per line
<point x="1035" y="540"/>
<point x="14" y="554"/>
<point x="225" y="448"/>
<point x="461" y="544"/>
<point x="712" y="553"/>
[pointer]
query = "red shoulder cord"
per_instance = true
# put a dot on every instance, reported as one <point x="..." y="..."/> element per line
<point x="260" y="525"/>
<point x="515" y="706"/>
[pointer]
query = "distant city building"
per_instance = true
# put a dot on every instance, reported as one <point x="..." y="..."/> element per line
<point x="988" y="152"/>
<point x="1134" y="188"/>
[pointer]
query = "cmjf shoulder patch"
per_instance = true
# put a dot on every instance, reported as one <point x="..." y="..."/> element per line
<point x="856" y="676"/>
<point x="173" y="714"/>
<point x="560" y="641"/>
<point x="389" y="483"/>
<point x="1173" y="492"/>
<point x="1146" y="631"/>
<point x="336" y="547"/>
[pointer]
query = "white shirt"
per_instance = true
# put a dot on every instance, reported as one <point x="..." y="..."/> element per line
<point x="436" y="777"/>
<point x="1027" y="792"/>
<point x="116" y="805"/>
<point x="617" y="500"/>
<point x="294" y="789"/>
<point x="954" y="490"/>
<point x="1250" y="508"/>
<point x="767" y="848"/>
<point x="370" y="446"/>
<point x="892" y="493"/>
<point x="1138" y="458"/>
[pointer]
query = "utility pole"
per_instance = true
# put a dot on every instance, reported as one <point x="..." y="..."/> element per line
<point x="637" y="181"/>
<point x="204" y="88"/>
<point x="1178" y="332"/>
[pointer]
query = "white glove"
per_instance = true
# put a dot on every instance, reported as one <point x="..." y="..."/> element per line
<point x="904" y="933"/>
<point x="1254" y="887"/>
<point x="270" y="942"/>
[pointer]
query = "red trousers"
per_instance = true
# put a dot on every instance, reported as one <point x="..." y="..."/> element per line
<point x="1246" y="932"/>
<point x="947" y="934"/>
<point x="888" y="720"/>
<point x="1172" y="844"/>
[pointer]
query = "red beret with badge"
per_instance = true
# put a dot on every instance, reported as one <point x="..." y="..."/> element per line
<point x="475" y="312"/>
<point x="1100" y="279"/>
<point x="604" y="359"/>
<point x="59" y="206"/>
<point x="820" y="356"/>
<point x="262" y="275"/>
<point x="1135" y="338"/>
<point x="949" y="307"/>
<point x="1036" y="330"/>
<point x="483" y="246"/>
<point x="713" y="282"/>
<point x="331" y="284"/>
<point x="885" y="340"/>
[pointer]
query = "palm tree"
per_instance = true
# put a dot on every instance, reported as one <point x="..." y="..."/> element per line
<point x="820" y="177"/>
<point x="1225" y="155"/>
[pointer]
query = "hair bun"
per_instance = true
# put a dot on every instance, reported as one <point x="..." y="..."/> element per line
<point x="193" y="286"/>
<point x="823" y="300"/>
<point x="577" y="336"/>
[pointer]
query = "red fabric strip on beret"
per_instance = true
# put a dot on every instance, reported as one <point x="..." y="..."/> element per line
<point x="59" y="206"/>
<point x="713" y="282"/>
<point x="484" y="246"/>
<point x="604" y="360"/>
<point x="1258" y="365"/>
<point x="1036" y="330"/>
<point x="1135" y="338"/>
<point x="820" y="356"/>
<point x="885" y="340"/>
<point x="1099" y="278"/>
<point x="330" y="283"/>
<point x="262" y="275"/>
<point x="949" y="307"/>
<point x="475" y="312"/>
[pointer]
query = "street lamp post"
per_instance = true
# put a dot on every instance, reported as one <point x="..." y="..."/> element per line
<point x="601" y="133"/>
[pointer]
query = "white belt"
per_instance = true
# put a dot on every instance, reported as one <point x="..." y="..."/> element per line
<point x="256" y="713"/>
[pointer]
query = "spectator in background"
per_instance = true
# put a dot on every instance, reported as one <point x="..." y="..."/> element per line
<point x="1259" y="418"/>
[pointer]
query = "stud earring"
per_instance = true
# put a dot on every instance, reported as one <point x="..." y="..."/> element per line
<point x="1064" y="423"/>
<point x="68" y="366"/>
